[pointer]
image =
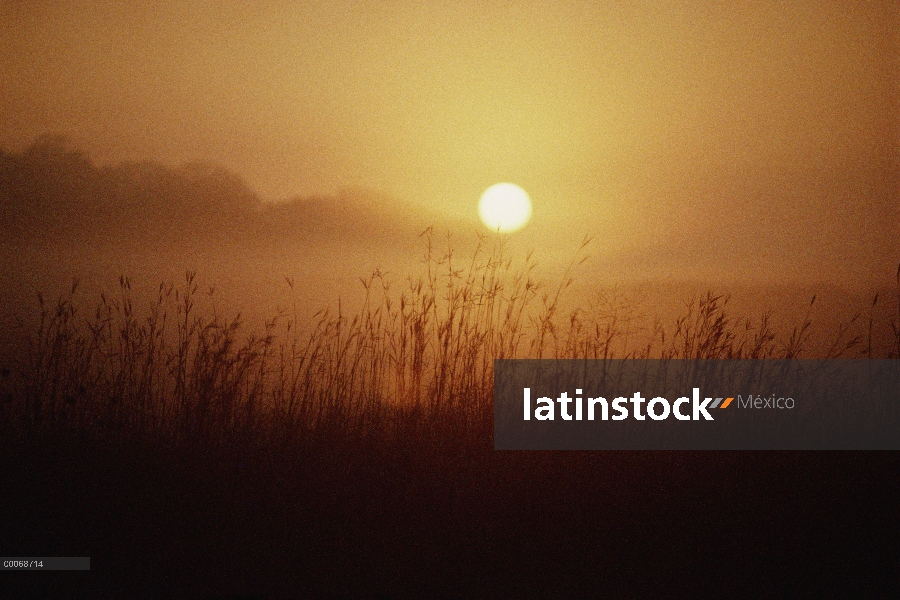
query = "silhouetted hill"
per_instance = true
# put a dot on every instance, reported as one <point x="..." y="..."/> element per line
<point x="52" y="192"/>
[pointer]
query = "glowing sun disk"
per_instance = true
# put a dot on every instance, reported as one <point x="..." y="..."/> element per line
<point x="504" y="207"/>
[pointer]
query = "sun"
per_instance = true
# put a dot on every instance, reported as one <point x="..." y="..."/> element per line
<point x="504" y="207"/>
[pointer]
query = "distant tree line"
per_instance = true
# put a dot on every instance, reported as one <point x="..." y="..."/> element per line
<point x="52" y="191"/>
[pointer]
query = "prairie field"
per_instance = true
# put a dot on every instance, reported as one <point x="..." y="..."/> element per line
<point x="349" y="454"/>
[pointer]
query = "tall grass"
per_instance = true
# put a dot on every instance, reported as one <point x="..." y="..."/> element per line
<point x="415" y="358"/>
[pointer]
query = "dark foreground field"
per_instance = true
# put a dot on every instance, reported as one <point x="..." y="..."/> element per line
<point x="355" y="460"/>
<point x="421" y="518"/>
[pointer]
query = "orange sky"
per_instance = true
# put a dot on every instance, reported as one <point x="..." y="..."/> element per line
<point x="742" y="139"/>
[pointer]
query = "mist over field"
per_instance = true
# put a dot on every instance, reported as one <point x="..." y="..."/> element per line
<point x="66" y="219"/>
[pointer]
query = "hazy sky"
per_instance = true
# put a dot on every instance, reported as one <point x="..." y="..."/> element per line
<point x="743" y="139"/>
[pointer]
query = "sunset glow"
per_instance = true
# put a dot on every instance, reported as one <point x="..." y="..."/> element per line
<point x="342" y="299"/>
